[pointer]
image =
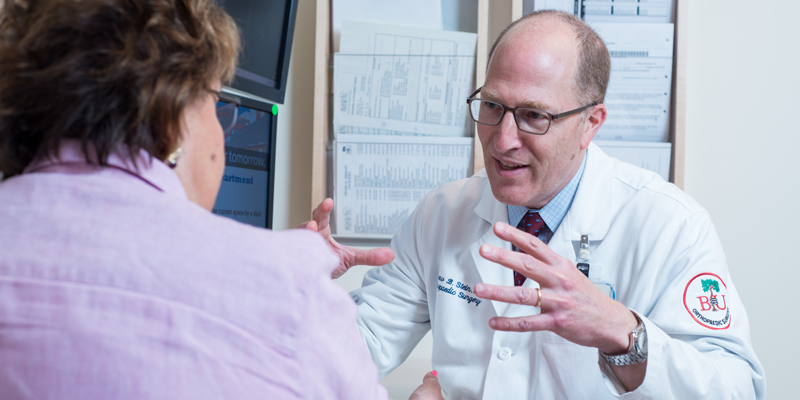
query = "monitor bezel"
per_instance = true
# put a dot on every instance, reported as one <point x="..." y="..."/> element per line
<point x="274" y="94"/>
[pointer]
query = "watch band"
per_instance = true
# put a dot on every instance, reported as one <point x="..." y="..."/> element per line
<point x="637" y="349"/>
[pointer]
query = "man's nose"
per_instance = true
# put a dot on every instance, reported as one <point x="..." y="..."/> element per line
<point x="508" y="135"/>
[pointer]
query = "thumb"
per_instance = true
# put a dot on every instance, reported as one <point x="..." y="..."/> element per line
<point x="432" y="376"/>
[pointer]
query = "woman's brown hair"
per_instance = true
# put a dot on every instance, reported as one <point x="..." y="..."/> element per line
<point x="106" y="72"/>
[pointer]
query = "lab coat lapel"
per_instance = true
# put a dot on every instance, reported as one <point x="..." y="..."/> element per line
<point x="492" y="211"/>
<point x="591" y="209"/>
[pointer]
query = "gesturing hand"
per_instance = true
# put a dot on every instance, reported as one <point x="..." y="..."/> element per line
<point x="572" y="307"/>
<point x="348" y="256"/>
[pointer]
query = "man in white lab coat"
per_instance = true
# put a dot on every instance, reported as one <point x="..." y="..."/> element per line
<point x="621" y="285"/>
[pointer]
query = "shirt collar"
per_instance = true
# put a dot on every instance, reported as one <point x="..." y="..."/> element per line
<point x="556" y="209"/>
<point x="148" y="169"/>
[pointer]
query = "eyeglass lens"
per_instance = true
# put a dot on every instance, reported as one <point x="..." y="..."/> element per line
<point x="490" y="113"/>
<point x="227" y="114"/>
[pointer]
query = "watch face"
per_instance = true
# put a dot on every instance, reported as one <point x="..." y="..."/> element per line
<point x="641" y="342"/>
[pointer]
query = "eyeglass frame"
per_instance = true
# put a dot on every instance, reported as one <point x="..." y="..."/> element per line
<point x="230" y="99"/>
<point x="550" y="117"/>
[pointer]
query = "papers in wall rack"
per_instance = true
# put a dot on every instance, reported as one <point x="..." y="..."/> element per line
<point x="638" y="94"/>
<point x="396" y="80"/>
<point x="655" y="11"/>
<point x="380" y="179"/>
<point x="650" y="156"/>
<point x="413" y="13"/>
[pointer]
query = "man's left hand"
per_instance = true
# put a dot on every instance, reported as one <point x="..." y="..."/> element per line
<point x="572" y="307"/>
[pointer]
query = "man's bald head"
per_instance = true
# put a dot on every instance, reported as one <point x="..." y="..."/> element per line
<point x="593" y="64"/>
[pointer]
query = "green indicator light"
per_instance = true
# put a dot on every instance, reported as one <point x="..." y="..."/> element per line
<point x="274" y="109"/>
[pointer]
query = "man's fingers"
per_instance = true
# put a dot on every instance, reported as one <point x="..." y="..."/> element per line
<point x="373" y="257"/>
<point x="508" y="294"/>
<point x="531" y="323"/>
<point x="523" y="263"/>
<point x="526" y="242"/>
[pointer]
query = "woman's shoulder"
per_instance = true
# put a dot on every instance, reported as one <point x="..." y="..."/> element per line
<point x="258" y="246"/>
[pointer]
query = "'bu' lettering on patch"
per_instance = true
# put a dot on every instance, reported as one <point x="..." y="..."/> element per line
<point x="705" y="300"/>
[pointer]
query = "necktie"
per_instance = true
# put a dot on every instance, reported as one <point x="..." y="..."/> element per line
<point x="534" y="224"/>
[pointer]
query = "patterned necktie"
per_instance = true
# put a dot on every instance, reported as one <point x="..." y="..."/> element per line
<point x="533" y="224"/>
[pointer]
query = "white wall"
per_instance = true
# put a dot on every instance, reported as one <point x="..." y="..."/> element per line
<point x="741" y="139"/>
<point x="742" y="98"/>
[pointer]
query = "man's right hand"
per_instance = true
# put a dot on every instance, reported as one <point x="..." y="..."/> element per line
<point x="348" y="256"/>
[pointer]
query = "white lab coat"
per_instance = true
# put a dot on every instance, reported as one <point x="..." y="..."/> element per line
<point x="655" y="239"/>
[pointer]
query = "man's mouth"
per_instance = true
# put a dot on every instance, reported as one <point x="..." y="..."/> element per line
<point x="510" y="167"/>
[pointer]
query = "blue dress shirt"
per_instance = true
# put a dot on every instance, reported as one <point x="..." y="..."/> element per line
<point x="554" y="211"/>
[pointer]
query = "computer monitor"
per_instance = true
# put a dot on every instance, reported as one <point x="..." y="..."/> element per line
<point x="246" y="193"/>
<point x="267" y="28"/>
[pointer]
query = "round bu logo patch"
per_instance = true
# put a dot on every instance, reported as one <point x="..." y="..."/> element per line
<point x="705" y="298"/>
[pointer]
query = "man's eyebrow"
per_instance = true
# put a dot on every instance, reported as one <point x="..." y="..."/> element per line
<point x="538" y="105"/>
<point x="488" y="95"/>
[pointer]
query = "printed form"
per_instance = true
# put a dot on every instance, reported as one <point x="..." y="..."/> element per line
<point x="378" y="180"/>
<point x="628" y="11"/>
<point x="394" y="80"/>
<point x="412" y="13"/>
<point x="570" y="6"/>
<point x="638" y="94"/>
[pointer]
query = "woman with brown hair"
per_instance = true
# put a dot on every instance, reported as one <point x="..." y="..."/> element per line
<point x="115" y="279"/>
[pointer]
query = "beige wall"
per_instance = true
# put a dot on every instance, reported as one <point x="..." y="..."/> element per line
<point x="741" y="139"/>
<point x="293" y="144"/>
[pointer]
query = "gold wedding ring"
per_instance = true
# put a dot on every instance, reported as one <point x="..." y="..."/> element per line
<point x="539" y="303"/>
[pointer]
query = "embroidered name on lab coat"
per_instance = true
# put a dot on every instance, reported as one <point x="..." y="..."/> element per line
<point x="458" y="290"/>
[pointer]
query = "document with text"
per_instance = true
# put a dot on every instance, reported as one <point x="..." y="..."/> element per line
<point x="378" y="180"/>
<point x="638" y="94"/>
<point x="570" y="6"/>
<point x="395" y="80"/>
<point x="416" y="13"/>
<point x="648" y="11"/>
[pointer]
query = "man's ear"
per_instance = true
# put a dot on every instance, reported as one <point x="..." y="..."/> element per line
<point x="592" y="124"/>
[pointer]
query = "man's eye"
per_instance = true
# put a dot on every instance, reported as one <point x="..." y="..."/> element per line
<point x="492" y="106"/>
<point x="530" y="114"/>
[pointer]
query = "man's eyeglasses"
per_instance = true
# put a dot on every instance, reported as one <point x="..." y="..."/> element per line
<point x="227" y="109"/>
<point x="529" y="120"/>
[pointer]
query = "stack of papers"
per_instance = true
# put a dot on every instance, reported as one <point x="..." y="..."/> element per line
<point x="400" y="122"/>
<point x="638" y="95"/>
<point x="651" y="156"/>
<point x="380" y="179"/>
<point x="394" y="80"/>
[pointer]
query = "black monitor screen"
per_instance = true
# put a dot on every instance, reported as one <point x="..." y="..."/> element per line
<point x="267" y="28"/>
<point x="246" y="191"/>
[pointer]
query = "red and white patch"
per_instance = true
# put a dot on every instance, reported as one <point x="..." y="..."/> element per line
<point x="706" y="300"/>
